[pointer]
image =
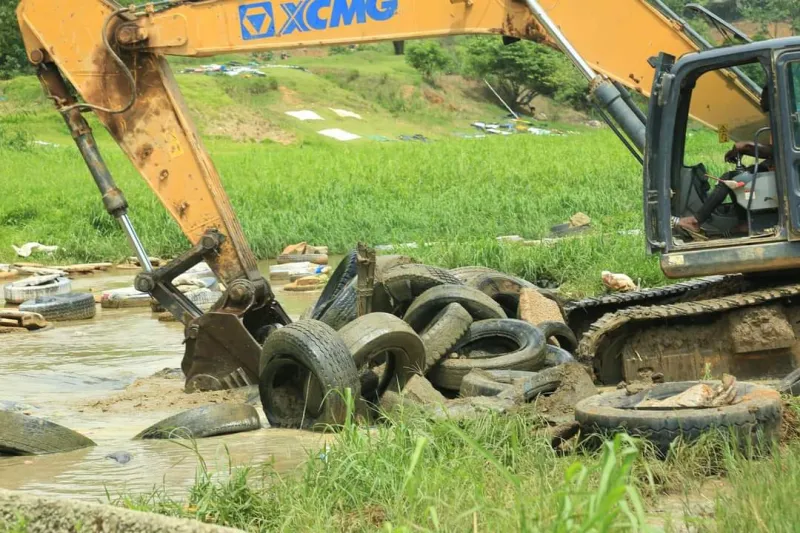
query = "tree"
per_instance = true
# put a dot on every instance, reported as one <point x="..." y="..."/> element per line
<point x="12" y="52"/>
<point x="773" y="12"/>
<point x="518" y="72"/>
<point x="429" y="58"/>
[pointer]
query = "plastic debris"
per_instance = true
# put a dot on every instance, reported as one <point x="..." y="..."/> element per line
<point x="699" y="396"/>
<point x="28" y="248"/>
<point x="345" y="113"/>
<point x="618" y="282"/>
<point x="304" y="115"/>
<point x="339" y="134"/>
<point x="579" y="220"/>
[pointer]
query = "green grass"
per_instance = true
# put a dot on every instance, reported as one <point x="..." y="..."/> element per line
<point x="495" y="473"/>
<point x="461" y="194"/>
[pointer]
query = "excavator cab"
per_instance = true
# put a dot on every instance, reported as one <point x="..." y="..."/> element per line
<point x="710" y="210"/>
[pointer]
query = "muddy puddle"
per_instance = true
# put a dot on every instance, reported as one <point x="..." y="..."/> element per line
<point x="96" y="377"/>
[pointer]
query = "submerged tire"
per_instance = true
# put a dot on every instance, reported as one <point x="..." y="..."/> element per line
<point x="72" y="306"/>
<point x="20" y="291"/>
<point x="500" y="344"/>
<point x="755" y="418"/>
<point x="502" y="288"/>
<point x="378" y="336"/>
<point x="443" y="332"/>
<point x="305" y="370"/>
<point x="431" y="302"/>
<point x="344" y="273"/>
<point x="206" y="421"/>
<point x="27" y="435"/>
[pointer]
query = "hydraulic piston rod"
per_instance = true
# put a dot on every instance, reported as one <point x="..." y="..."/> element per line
<point x="603" y="90"/>
<point x="113" y="199"/>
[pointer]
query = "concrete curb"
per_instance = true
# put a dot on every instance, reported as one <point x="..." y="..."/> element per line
<point x="54" y="515"/>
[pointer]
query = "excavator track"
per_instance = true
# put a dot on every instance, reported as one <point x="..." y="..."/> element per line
<point x="581" y="314"/>
<point x="608" y="342"/>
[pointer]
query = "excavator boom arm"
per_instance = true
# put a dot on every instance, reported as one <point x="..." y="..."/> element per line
<point x="114" y="57"/>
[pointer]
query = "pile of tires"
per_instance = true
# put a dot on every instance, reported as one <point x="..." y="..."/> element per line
<point x="425" y="320"/>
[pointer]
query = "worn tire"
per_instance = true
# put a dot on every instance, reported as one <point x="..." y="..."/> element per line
<point x="373" y="335"/>
<point x="790" y="384"/>
<point x="406" y="282"/>
<point x="23" y="290"/>
<point x="468" y="273"/>
<point x="538" y="383"/>
<point x="27" y="435"/>
<point x="522" y="347"/>
<point x="502" y="288"/>
<point x="72" y="306"/>
<point x="291" y="356"/>
<point x="443" y="332"/>
<point x="317" y="259"/>
<point x="431" y="302"/>
<point x="342" y="310"/>
<point x="555" y="356"/>
<point x="484" y="383"/>
<point x="344" y="273"/>
<point x="206" y="421"/>
<point x="757" y="416"/>
<point x="562" y="333"/>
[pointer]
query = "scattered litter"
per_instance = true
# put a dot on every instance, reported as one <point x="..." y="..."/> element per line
<point x="28" y="248"/>
<point x="120" y="457"/>
<point x="539" y="131"/>
<point x="380" y="138"/>
<point x="45" y="143"/>
<point x="124" y="298"/>
<point x="345" y="113"/>
<point x="307" y="284"/>
<point x="618" y="282"/>
<point x="11" y="318"/>
<point x="304" y="248"/>
<point x="339" y="134"/>
<point x="304" y="115"/>
<point x="579" y="220"/>
<point x="417" y="137"/>
<point x="289" y="270"/>
<point x="594" y="124"/>
<point x="510" y="238"/>
<point x="699" y="396"/>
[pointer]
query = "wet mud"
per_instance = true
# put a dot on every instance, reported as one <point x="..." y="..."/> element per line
<point x="102" y="377"/>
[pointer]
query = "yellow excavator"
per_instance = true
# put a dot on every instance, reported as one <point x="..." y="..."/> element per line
<point x="98" y="56"/>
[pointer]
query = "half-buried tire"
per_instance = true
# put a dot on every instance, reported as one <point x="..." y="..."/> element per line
<point x="306" y="369"/>
<point x="754" y="418"/>
<point x="206" y="421"/>
<point x="444" y="331"/>
<point x="17" y="292"/>
<point x="73" y="306"/>
<point x="27" y="435"/>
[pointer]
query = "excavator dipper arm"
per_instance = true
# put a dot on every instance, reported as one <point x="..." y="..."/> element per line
<point x="114" y="57"/>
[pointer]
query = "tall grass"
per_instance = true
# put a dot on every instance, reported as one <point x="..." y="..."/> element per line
<point x="494" y="473"/>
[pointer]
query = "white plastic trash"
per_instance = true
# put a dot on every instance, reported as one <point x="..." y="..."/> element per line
<point x="339" y="135"/>
<point x="304" y="115"/>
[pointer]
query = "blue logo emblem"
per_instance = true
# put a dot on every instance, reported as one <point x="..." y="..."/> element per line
<point x="300" y="16"/>
<point x="257" y="20"/>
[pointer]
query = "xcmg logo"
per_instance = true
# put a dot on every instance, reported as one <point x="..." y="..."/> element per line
<point x="259" y="21"/>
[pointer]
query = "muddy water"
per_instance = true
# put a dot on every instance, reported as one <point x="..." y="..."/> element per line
<point x="74" y="373"/>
